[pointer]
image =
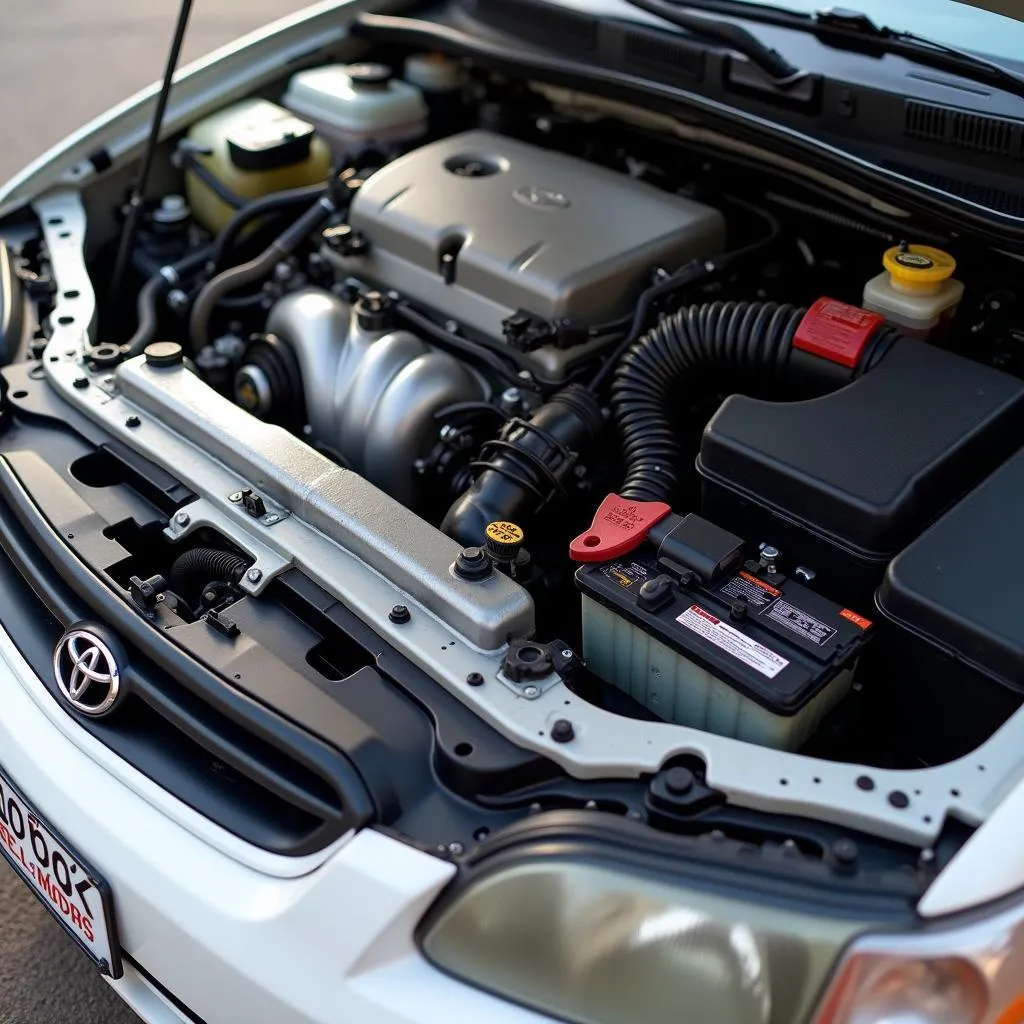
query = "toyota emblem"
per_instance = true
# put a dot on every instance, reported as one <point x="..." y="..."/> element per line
<point x="88" y="673"/>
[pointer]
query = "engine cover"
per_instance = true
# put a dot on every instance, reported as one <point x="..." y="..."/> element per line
<point x="478" y="226"/>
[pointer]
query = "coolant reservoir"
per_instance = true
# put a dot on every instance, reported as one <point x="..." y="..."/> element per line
<point x="255" y="148"/>
<point x="358" y="105"/>
<point x="916" y="291"/>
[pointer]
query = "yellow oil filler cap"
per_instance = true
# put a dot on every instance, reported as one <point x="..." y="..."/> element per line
<point x="504" y="539"/>
<point x="921" y="269"/>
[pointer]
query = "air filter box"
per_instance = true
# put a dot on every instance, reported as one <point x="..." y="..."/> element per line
<point x="954" y="597"/>
<point x="704" y="636"/>
<point x="843" y="482"/>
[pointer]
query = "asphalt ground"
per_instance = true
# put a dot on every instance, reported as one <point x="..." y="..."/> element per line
<point x="63" y="62"/>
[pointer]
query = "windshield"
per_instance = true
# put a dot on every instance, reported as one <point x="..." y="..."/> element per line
<point x="945" y="21"/>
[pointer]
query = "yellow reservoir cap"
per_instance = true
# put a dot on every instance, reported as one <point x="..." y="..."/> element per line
<point x="918" y="267"/>
<point x="504" y="539"/>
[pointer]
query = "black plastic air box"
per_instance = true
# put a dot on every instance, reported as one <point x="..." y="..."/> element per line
<point x="843" y="482"/>
<point x="957" y="597"/>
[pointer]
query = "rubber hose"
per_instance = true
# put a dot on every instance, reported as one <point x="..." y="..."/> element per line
<point x="200" y="566"/>
<point x="273" y="203"/>
<point x="153" y="291"/>
<point x="192" y="162"/>
<point x="256" y="269"/>
<point x="749" y="338"/>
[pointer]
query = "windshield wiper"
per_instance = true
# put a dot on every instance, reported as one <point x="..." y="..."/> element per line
<point x="942" y="55"/>
<point x="770" y="61"/>
<point x="838" y="24"/>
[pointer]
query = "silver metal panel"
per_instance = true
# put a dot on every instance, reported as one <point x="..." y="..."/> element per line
<point x="343" y="505"/>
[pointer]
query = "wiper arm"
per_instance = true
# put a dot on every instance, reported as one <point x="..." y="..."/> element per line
<point x="910" y="44"/>
<point x="770" y="61"/>
<point x="839" y="24"/>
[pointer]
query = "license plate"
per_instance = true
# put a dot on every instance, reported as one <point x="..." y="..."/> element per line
<point x="74" y="894"/>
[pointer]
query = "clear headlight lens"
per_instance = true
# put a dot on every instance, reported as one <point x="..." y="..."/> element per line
<point x="595" y="945"/>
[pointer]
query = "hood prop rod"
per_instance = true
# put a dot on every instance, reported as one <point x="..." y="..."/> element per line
<point x="138" y="194"/>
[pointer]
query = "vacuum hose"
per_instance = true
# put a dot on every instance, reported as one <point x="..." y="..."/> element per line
<point x="745" y="339"/>
<point x="196" y="568"/>
<point x="152" y="292"/>
<point x="257" y="269"/>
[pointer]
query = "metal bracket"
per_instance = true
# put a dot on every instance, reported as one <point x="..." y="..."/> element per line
<point x="267" y="562"/>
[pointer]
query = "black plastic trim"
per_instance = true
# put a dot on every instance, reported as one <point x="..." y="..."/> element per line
<point x="79" y="590"/>
<point x="721" y="865"/>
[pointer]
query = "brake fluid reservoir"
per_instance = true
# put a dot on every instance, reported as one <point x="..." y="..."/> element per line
<point x="358" y="105"/>
<point x="253" y="148"/>
<point x="916" y="291"/>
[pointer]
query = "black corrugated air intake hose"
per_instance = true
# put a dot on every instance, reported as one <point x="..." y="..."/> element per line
<point x="747" y="340"/>
<point x="194" y="569"/>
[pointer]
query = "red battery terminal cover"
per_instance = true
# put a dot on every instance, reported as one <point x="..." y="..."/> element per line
<point x="836" y="331"/>
<point x="619" y="526"/>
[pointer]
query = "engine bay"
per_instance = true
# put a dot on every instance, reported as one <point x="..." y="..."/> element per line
<point x="663" y="466"/>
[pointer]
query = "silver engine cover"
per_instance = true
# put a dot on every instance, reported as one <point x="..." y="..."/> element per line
<point x="371" y="397"/>
<point x="527" y="229"/>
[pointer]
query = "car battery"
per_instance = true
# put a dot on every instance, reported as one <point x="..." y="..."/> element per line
<point x="677" y="614"/>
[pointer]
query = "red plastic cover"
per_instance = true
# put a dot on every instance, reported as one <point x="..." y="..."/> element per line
<point x="836" y="331"/>
<point x="619" y="526"/>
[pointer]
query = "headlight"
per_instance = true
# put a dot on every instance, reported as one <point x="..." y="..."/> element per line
<point x="598" y="946"/>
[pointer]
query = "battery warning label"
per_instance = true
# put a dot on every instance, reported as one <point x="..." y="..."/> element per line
<point x="801" y="623"/>
<point x="756" y="592"/>
<point x="732" y="641"/>
<point x="625" y="573"/>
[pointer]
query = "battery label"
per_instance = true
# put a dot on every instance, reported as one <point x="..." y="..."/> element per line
<point x="732" y="641"/>
<point x="801" y="623"/>
<point x="625" y="573"/>
<point x="755" y="591"/>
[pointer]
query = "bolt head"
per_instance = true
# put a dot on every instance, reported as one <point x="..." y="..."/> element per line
<point x="475" y="679"/>
<point x="804" y="574"/>
<point x="562" y="731"/>
<point x="769" y="551"/>
<point x="845" y="852"/>
<point x="456" y="848"/>
<point x="254" y="575"/>
<point x="679" y="780"/>
<point x="132" y="422"/>
<point x="399" y="615"/>
<point x="183" y="519"/>
<point x="531" y="692"/>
